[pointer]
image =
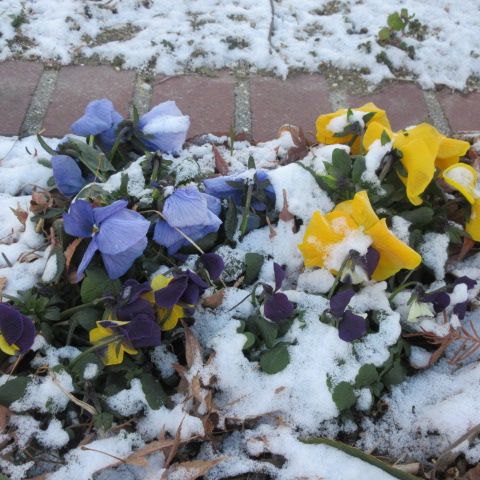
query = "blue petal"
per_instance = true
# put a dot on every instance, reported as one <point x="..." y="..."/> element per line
<point x="213" y="204"/>
<point x="167" y="236"/>
<point x="80" y="220"/>
<point x="440" y="300"/>
<point x="351" y="327"/>
<point x="219" y="188"/>
<point x="466" y="280"/>
<point x="98" y="118"/>
<point x="186" y="207"/>
<point x="87" y="257"/>
<point x="67" y="174"/>
<point x="108" y="137"/>
<point x="120" y="231"/>
<point x="101" y="213"/>
<point x="339" y="302"/>
<point x="117" y="264"/>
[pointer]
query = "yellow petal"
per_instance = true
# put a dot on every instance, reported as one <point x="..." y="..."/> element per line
<point x="323" y="231"/>
<point x="99" y="333"/>
<point x="374" y="132"/>
<point x="160" y="281"/>
<point x="326" y="136"/>
<point x="114" y="354"/>
<point x="473" y="225"/>
<point x="5" y="347"/>
<point x="449" y="152"/>
<point x="419" y="161"/>
<point x="176" y="313"/>
<point x="464" y="178"/>
<point x="425" y="132"/>
<point x="362" y="210"/>
<point x="394" y="254"/>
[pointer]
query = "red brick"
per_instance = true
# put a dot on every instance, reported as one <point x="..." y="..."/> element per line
<point x="209" y="101"/>
<point x="462" y="111"/>
<point x="77" y="86"/>
<point x="403" y="102"/>
<point x="298" y="101"/>
<point x="18" y="81"/>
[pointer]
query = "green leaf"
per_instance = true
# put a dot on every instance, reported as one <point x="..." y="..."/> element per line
<point x="13" y="390"/>
<point x="262" y="328"/>
<point x="3" y="477"/>
<point x="359" y="166"/>
<point x="395" y="22"/>
<point x="60" y="262"/>
<point x="253" y="264"/>
<point x="153" y="391"/>
<point x="384" y="34"/>
<point x="231" y="220"/>
<point x="384" y="138"/>
<point x="342" y="162"/>
<point x="275" y="360"/>
<point x="368" y="116"/>
<point x="249" y="341"/>
<point x="364" y="457"/>
<point x="343" y="395"/>
<point x="44" y="163"/>
<point x="103" y="421"/>
<point x="92" y="159"/>
<point x="98" y="283"/>
<point x="418" y="217"/>
<point x="366" y="375"/>
<point x="44" y="145"/>
<point x="87" y="318"/>
<point x="395" y="375"/>
<point x="79" y="367"/>
<point x="251" y="162"/>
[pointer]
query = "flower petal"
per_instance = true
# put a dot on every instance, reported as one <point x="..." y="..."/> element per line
<point x="80" y="220"/>
<point x="339" y="302"/>
<point x="186" y="207"/>
<point x="67" y="174"/>
<point x="11" y="324"/>
<point x="394" y="254"/>
<point x="449" y="152"/>
<point x="168" y="296"/>
<point x="360" y="209"/>
<point x="96" y="119"/>
<point x="463" y="178"/>
<point x="25" y="341"/>
<point x="473" y="225"/>
<point x="214" y="264"/>
<point x="87" y="257"/>
<point x="142" y="331"/>
<point x="118" y="263"/>
<point x="278" y="307"/>
<point x="279" y="276"/>
<point x="351" y="327"/>
<point x="102" y="213"/>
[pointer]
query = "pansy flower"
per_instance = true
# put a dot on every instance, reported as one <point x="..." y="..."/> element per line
<point x="167" y="126"/>
<point x="125" y="337"/>
<point x="359" y="268"/>
<point x="422" y="150"/>
<point x="464" y="178"/>
<point x="351" y="122"/>
<point x="235" y="187"/>
<point x="325" y="233"/>
<point x="192" y="212"/>
<point x="17" y="331"/>
<point x="350" y="325"/>
<point x="100" y="119"/>
<point x="277" y="306"/>
<point x="117" y="232"/>
<point x="421" y="305"/>
<point x="461" y="308"/>
<point x="67" y="174"/>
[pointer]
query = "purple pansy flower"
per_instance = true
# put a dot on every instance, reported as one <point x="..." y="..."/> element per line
<point x="184" y="290"/>
<point x="277" y="306"/>
<point x="192" y="212"/>
<point x="359" y="268"/>
<point x="100" y="119"/>
<point x="221" y="188"/>
<point x="17" y="331"/>
<point x="117" y="232"/>
<point x="350" y="326"/>
<point x="461" y="308"/>
<point x="168" y="126"/>
<point x="214" y="264"/>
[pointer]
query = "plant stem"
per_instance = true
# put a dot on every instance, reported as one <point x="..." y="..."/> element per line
<point x="95" y="347"/>
<point x="337" y="278"/>
<point x="400" y="288"/>
<point x="78" y="308"/>
<point x="248" y="201"/>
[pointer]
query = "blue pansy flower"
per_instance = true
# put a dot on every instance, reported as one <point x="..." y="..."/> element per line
<point x="192" y="212"/>
<point x="67" y="174"/>
<point x="168" y="126"/>
<point x="350" y="326"/>
<point x="100" y="119"/>
<point x="235" y="186"/>
<point x="117" y="232"/>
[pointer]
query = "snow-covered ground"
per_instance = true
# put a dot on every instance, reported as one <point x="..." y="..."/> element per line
<point x="273" y="35"/>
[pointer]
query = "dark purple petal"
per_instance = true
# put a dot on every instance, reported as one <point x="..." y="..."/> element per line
<point x="11" y="324"/>
<point x="98" y="118"/>
<point x="79" y="221"/>
<point x="339" y="302"/>
<point x="169" y="296"/>
<point x="130" y="311"/>
<point x="87" y="257"/>
<point x="102" y="213"/>
<point x="440" y="300"/>
<point x="214" y="264"/>
<point x="278" y="307"/>
<point x="467" y="281"/>
<point x="372" y="258"/>
<point x="67" y="174"/>
<point x="121" y="231"/>
<point x="117" y="264"/>
<point x="186" y="207"/>
<point x="279" y="276"/>
<point x="351" y="327"/>
<point x="132" y="290"/>
<point x="460" y="309"/>
<point x="195" y="288"/>
<point x="108" y="324"/>
<point x="142" y="331"/>
<point x="25" y="342"/>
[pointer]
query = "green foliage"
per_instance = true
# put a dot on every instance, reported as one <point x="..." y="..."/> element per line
<point x="344" y="396"/>
<point x="275" y="360"/>
<point x="253" y="265"/>
<point x="97" y="283"/>
<point x="13" y="390"/>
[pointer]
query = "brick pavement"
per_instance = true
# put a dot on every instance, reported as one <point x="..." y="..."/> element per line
<point x="36" y="98"/>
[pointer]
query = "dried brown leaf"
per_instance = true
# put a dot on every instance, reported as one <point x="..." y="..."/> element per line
<point x="468" y="244"/>
<point x="285" y="214"/>
<point x="40" y="201"/>
<point x="215" y="300"/>
<point x="3" y="282"/>
<point x="273" y="233"/>
<point x="196" y="468"/>
<point x="20" y="213"/>
<point x="70" y="250"/>
<point x="473" y="473"/>
<point x="193" y="349"/>
<point x="220" y="164"/>
<point x="301" y="148"/>
<point x="138" y="458"/>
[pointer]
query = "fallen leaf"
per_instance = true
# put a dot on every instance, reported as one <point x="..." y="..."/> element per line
<point x="40" y="201"/>
<point x="473" y="473"/>
<point x="272" y="233"/>
<point x="3" y="282"/>
<point x="285" y="214"/>
<point x="69" y="251"/>
<point x="220" y="164"/>
<point x="20" y="213"/>
<point x="193" y="349"/>
<point x="468" y="244"/>
<point x="195" y="469"/>
<point x="215" y="300"/>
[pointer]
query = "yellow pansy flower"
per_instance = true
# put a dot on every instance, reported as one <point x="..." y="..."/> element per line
<point x="449" y="152"/>
<point x="464" y="178"/>
<point x="326" y="125"/>
<point x="167" y="317"/>
<point x="325" y="232"/>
